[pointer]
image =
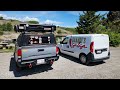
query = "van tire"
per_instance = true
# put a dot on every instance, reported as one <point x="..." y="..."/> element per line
<point x="83" y="59"/>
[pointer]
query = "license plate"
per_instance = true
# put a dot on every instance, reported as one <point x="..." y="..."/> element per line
<point x="99" y="52"/>
<point x="40" y="61"/>
<point x="21" y="27"/>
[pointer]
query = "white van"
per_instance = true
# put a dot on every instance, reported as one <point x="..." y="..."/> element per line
<point x="86" y="47"/>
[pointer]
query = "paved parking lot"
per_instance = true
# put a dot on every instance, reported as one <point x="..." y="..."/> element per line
<point x="65" y="68"/>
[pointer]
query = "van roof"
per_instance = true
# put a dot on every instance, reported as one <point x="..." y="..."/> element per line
<point x="87" y="35"/>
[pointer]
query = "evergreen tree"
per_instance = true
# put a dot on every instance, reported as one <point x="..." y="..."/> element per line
<point x="88" y="22"/>
<point x="114" y="21"/>
<point x="113" y="15"/>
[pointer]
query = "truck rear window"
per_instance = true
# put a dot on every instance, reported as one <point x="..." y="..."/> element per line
<point x="38" y="39"/>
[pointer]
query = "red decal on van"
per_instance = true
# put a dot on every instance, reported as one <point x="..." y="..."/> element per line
<point x="81" y="46"/>
<point x="78" y="45"/>
<point x="70" y="42"/>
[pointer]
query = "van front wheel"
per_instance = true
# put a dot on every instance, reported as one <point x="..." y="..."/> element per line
<point x="83" y="59"/>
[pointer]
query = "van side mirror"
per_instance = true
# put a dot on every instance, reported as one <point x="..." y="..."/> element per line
<point x="60" y="42"/>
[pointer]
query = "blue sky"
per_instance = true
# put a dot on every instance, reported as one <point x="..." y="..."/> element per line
<point x="61" y="18"/>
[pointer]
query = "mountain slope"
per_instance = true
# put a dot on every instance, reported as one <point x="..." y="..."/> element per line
<point x="11" y="35"/>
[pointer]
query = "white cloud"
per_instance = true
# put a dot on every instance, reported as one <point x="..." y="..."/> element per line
<point x="74" y="26"/>
<point x="81" y="12"/>
<point x="26" y="18"/>
<point x="76" y="13"/>
<point x="51" y="22"/>
<point x="3" y="15"/>
<point x="45" y="14"/>
<point x="30" y="19"/>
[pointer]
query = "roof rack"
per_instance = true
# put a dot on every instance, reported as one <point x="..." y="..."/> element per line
<point x="34" y="27"/>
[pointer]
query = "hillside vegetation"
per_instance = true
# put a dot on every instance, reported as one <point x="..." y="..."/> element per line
<point x="88" y="23"/>
<point x="7" y="32"/>
<point x="91" y="23"/>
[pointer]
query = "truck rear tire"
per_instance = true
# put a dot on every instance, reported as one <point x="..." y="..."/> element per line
<point x="50" y="63"/>
<point x="18" y="68"/>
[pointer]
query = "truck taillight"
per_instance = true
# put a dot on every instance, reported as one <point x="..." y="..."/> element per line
<point x="57" y="50"/>
<point x="92" y="47"/>
<point x="19" y="52"/>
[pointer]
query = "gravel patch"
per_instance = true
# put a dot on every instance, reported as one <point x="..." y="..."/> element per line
<point x="65" y="68"/>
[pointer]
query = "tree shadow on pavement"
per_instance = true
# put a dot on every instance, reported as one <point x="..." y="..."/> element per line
<point x="27" y="71"/>
<point x="78" y="61"/>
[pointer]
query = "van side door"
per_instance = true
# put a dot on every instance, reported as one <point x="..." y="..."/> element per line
<point x="65" y="45"/>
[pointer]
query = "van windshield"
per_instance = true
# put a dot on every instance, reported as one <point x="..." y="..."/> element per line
<point x="33" y="39"/>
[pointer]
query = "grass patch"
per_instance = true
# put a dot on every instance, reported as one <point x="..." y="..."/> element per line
<point x="72" y="30"/>
<point x="6" y="50"/>
<point x="10" y="49"/>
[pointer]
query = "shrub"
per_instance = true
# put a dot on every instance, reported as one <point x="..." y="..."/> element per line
<point x="114" y="38"/>
<point x="1" y="33"/>
<point x="33" y="22"/>
<point x="59" y="31"/>
<point x="10" y="47"/>
<point x="1" y="18"/>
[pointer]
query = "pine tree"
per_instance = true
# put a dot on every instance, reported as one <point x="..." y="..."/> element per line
<point x="88" y="22"/>
<point x="114" y="21"/>
<point x="113" y="15"/>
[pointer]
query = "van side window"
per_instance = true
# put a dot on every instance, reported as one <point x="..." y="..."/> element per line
<point x="77" y="40"/>
<point x="73" y="40"/>
<point x="19" y="41"/>
<point x="81" y="40"/>
<point x="84" y="40"/>
<point x="65" y="41"/>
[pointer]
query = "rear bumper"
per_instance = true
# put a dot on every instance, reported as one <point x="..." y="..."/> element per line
<point x="25" y="63"/>
<point x="91" y="58"/>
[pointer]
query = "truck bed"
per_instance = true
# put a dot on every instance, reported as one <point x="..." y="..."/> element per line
<point x="38" y="51"/>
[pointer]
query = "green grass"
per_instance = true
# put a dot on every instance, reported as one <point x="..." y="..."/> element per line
<point x="72" y="30"/>
<point x="6" y="50"/>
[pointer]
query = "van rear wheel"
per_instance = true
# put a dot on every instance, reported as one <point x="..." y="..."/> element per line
<point x="83" y="59"/>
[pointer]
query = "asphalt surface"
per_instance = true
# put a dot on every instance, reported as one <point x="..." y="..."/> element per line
<point x="65" y="68"/>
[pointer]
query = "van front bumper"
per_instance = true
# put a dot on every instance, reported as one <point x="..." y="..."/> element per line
<point x="91" y="58"/>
